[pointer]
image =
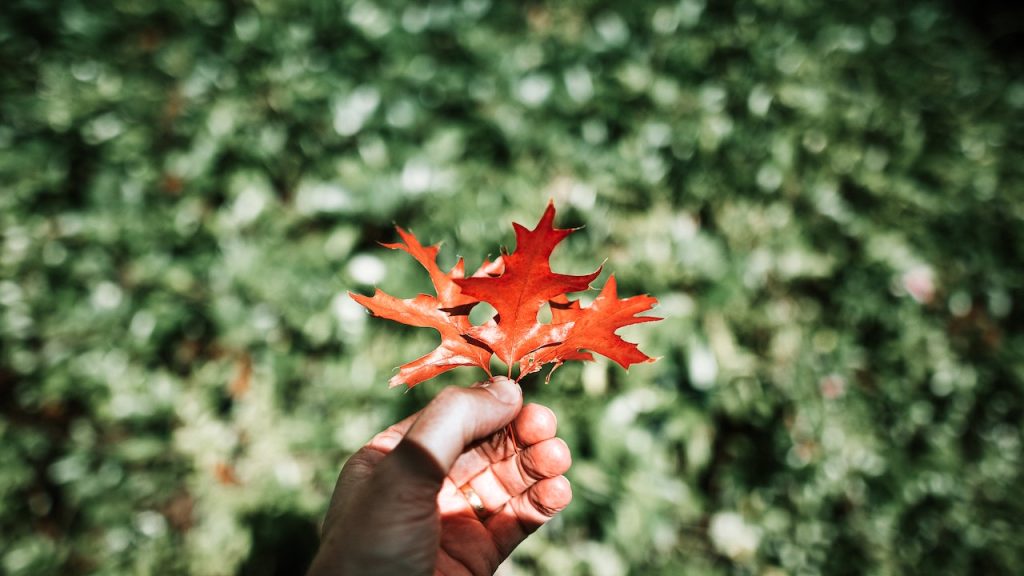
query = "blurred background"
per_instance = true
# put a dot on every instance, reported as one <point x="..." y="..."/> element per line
<point x="826" y="198"/>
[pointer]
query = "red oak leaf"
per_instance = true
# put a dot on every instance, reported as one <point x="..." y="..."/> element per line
<point x="447" y="291"/>
<point x="593" y="328"/>
<point x="516" y="284"/>
<point x="448" y="313"/>
<point x="519" y="292"/>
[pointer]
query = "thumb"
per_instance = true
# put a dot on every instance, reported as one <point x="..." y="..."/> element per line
<point x="459" y="416"/>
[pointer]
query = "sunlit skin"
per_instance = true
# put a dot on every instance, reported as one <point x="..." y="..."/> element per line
<point x="400" y="506"/>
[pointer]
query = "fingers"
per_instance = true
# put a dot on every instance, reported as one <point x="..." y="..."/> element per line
<point x="534" y="424"/>
<point x="460" y="416"/>
<point x="545" y="459"/>
<point x="386" y="440"/>
<point x="513" y="476"/>
<point x="524" y="514"/>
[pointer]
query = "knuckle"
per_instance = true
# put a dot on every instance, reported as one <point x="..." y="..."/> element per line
<point x="542" y="506"/>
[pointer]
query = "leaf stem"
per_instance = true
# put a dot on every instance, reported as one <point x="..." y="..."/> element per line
<point x="511" y="433"/>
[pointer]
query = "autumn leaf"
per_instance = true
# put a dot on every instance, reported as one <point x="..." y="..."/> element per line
<point x="447" y="291"/>
<point x="517" y="285"/>
<point x="519" y="292"/>
<point x="593" y="329"/>
<point x="448" y="313"/>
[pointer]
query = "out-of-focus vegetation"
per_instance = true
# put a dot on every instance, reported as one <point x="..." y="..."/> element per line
<point x="825" y="197"/>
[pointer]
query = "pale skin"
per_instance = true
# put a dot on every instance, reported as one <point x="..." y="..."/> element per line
<point x="404" y="503"/>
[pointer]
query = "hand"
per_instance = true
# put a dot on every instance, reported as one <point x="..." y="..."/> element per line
<point x="447" y="490"/>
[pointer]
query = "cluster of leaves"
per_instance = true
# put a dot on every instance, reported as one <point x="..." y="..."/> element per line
<point x="517" y="285"/>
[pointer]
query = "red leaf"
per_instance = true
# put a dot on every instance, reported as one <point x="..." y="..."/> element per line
<point x="593" y="328"/>
<point x="516" y="285"/>
<point x="448" y="313"/>
<point x="525" y="285"/>
<point x="447" y="291"/>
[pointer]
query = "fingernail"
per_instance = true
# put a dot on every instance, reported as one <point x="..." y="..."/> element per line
<point x="504" y="389"/>
<point x="489" y="381"/>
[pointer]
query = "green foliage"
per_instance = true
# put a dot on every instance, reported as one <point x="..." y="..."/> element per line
<point x="827" y="199"/>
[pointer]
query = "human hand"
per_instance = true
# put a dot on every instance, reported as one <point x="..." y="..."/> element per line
<point x="447" y="490"/>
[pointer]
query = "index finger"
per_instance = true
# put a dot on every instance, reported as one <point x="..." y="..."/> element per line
<point x="386" y="440"/>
